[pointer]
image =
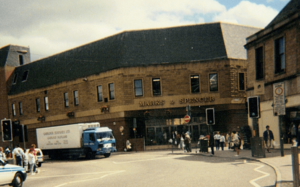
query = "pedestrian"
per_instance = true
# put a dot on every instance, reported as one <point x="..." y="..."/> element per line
<point x="18" y="153"/>
<point x="298" y="135"/>
<point x="236" y="142"/>
<point x="31" y="160"/>
<point x="178" y="139"/>
<point x="181" y="142"/>
<point x="222" y="141"/>
<point x="128" y="145"/>
<point x="268" y="137"/>
<point x="187" y="143"/>
<point x="25" y="162"/>
<point x="228" y="139"/>
<point x="7" y="152"/>
<point x="33" y="146"/>
<point x="211" y="143"/>
<point x="217" y="139"/>
<point x="2" y="155"/>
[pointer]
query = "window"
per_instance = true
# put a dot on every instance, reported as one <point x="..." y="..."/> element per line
<point x="213" y="82"/>
<point x="46" y="103"/>
<point x="195" y="83"/>
<point x="15" y="78"/>
<point x="99" y="93"/>
<point x="138" y="87"/>
<point x="21" y="60"/>
<point x="241" y="81"/>
<point x="37" y="102"/>
<point x="25" y="76"/>
<point x="156" y="86"/>
<point x="20" y="108"/>
<point x="13" y="107"/>
<point x="111" y="91"/>
<point x="259" y="63"/>
<point x="66" y="99"/>
<point x="76" y="99"/>
<point x="279" y="55"/>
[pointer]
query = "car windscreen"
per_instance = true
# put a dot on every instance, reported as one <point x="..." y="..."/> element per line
<point x="106" y="135"/>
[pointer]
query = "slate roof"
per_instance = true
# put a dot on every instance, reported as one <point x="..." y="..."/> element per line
<point x="291" y="8"/>
<point x="137" y="48"/>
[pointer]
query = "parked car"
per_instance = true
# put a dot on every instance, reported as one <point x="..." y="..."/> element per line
<point x="12" y="174"/>
<point x="39" y="155"/>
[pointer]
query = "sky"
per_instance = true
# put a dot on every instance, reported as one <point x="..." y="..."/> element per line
<point x="50" y="27"/>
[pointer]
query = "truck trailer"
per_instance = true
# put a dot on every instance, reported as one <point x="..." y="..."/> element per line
<point x="75" y="140"/>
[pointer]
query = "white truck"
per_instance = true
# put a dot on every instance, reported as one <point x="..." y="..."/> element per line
<point x="75" y="140"/>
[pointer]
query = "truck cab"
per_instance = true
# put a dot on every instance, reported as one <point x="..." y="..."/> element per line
<point x="98" y="141"/>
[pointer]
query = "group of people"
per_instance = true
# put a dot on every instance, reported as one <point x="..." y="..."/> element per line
<point x="21" y="158"/>
<point x="183" y="140"/>
<point x="232" y="139"/>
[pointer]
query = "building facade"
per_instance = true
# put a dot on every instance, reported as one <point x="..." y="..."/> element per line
<point x="273" y="62"/>
<point x="150" y="75"/>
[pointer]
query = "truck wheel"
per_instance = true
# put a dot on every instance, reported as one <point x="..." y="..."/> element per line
<point x="18" y="180"/>
<point x="107" y="155"/>
<point x="89" y="155"/>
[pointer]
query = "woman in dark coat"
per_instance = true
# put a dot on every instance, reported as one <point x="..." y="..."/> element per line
<point x="211" y="143"/>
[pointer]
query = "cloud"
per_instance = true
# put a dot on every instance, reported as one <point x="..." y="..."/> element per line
<point x="243" y="14"/>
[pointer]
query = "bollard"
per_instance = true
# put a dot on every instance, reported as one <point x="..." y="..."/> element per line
<point x="295" y="165"/>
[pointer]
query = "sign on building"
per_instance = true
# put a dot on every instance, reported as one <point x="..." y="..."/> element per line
<point x="278" y="99"/>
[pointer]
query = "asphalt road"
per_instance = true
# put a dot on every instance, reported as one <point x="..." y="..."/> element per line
<point x="160" y="168"/>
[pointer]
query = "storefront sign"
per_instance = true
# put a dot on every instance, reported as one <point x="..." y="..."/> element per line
<point x="279" y="99"/>
<point x="196" y="100"/>
<point x="152" y="103"/>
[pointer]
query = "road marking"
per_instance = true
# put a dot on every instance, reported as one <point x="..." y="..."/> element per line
<point x="258" y="178"/>
<point x="143" y="160"/>
<point x="90" y="179"/>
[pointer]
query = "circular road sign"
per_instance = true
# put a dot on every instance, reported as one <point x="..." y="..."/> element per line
<point x="187" y="118"/>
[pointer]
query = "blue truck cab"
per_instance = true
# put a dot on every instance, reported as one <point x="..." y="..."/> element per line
<point x="98" y="141"/>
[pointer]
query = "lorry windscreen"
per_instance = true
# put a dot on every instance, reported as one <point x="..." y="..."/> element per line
<point x="101" y="135"/>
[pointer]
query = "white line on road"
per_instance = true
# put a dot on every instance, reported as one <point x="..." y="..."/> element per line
<point x="258" y="178"/>
<point x="146" y="159"/>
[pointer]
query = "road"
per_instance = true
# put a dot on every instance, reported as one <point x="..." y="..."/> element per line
<point x="157" y="168"/>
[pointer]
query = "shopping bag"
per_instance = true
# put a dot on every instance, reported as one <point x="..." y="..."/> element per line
<point x="274" y="144"/>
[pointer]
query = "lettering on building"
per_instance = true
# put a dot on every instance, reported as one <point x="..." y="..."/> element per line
<point x="196" y="100"/>
<point x="152" y="103"/>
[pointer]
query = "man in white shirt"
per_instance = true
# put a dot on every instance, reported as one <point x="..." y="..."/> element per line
<point x="217" y="139"/>
<point x="19" y="153"/>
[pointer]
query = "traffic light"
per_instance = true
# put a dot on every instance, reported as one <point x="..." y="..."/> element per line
<point x="253" y="107"/>
<point x="210" y="116"/>
<point x="16" y="127"/>
<point x="6" y="130"/>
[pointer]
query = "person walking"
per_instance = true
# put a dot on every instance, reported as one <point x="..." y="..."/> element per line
<point x="211" y="143"/>
<point x="2" y="154"/>
<point x="268" y="137"/>
<point x="19" y="153"/>
<point x="228" y="139"/>
<point x="217" y="139"/>
<point x="31" y="161"/>
<point x="187" y="140"/>
<point x="181" y="142"/>
<point x="222" y="141"/>
<point x="236" y="141"/>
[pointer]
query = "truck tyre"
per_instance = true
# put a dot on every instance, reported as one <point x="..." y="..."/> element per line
<point x="107" y="155"/>
<point x="18" y="180"/>
<point x="89" y="155"/>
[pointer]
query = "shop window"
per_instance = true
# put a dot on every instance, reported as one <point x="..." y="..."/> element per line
<point x="37" y="102"/>
<point x="20" y="108"/>
<point x="99" y="93"/>
<point x="138" y="87"/>
<point x="46" y="103"/>
<point x="13" y="107"/>
<point x="213" y="82"/>
<point x="25" y="76"/>
<point x="279" y="55"/>
<point x="21" y="60"/>
<point x="66" y="99"/>
<point x="241" y="81"/>
<point x="156" y="86"/>
<point x="259" y="63"/>
<point x="76" y="98"/>
<point x="195" y="83"/>
<point x="111" y="91"/>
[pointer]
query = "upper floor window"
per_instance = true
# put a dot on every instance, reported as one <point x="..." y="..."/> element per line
<point x="37" y="102"/>
<point x="21" y="60"/>
<point x="195" y="83"/>
<point x="279" y="55"/>
<point x="13" y="107"/>
<point x="15" y="78"/>
<point x="259" y="63"/>
<point x="111" y="91"/>
<point x="25" y="76"/>
<point x="76" y="98"/>
<point x="66" y="99"/>
<point x="46" y="103"/>
<point x="99" y="93"/>
<point x="138" y="87"/>
<point x="20" y="108"/>
<point x="156" y="86"/>
<point x="241" y="81"/>
<point x="213" y="82"/>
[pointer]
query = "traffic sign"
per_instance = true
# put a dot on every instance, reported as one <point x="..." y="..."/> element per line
<point x="187" y="118"/>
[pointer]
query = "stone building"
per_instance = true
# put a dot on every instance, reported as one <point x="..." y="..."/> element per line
<point x="150" y="75"/>
<point x="273" y="71"/>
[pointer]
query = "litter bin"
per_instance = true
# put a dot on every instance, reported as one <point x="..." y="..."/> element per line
<point x="204" y="146"/>
<point x="258" y="147"/>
